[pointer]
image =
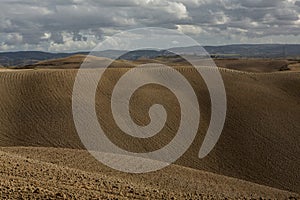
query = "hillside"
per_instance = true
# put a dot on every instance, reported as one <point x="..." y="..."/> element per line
<point x="259" y="143"/>
<point x="52" y="173"/>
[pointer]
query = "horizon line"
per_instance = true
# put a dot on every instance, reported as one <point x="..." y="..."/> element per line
<point x="88" y="51"/>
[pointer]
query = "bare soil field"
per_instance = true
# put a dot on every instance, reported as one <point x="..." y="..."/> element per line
<point x="256" y="157"/>
<point x="54" y="173"/>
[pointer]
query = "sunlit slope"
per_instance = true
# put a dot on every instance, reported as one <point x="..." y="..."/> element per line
<point x="259" y="143"/>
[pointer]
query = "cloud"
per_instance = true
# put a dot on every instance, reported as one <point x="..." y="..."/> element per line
<point x="177" y="9"/>
<point x="80" y="24"/>
<point x="189" y="29"/>
<point x="260" y="3"/>
<point x="13" y="39"/>
<point x="57" y="38"/>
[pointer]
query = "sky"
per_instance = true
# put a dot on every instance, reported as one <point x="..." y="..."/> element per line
<point x="79" y="25"/>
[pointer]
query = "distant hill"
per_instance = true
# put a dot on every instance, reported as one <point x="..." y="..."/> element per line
<point x="228" y="51"/>
<point x="23" y="58"/>
<point x="250" y="50"/>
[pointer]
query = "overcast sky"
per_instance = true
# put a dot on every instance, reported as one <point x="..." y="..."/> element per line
<point x="75" y="25"/>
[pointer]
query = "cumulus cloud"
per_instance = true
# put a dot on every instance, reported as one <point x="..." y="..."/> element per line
<point x="13" y="39"/>
<point x="71" y="25"/>
<point x="189" y="29"/>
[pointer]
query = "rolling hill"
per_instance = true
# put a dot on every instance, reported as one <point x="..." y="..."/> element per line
<point x="258" y="150"/>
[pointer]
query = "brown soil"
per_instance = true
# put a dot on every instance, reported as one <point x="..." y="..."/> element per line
<point x="42" y="156"/>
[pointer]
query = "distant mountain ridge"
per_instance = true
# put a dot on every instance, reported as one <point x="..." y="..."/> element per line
<point x="251" y="50"/>
<point x="23" y="58"/>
